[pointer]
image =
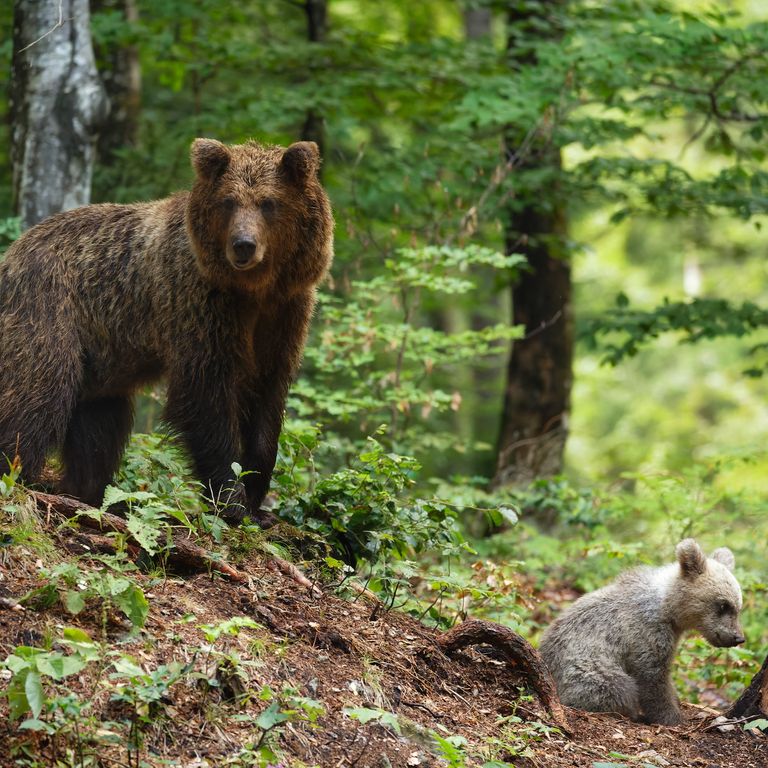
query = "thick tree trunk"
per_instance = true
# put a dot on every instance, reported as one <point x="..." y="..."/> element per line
<point x="121" y="72"/>
<point x="537" y="398"/>
<point x="316" y="12"/>
<point x="57" y="105"/>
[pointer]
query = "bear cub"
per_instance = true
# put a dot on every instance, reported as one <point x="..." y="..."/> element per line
<point x="211" y="290"/>
<point x="612" y="650"/>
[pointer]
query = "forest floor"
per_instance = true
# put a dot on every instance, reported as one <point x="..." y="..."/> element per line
<point x="321" y="666"/>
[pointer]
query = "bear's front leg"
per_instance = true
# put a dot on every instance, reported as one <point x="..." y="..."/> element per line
<point x="659" y="702"/>
<point x="277" y="350"/>
<point x="261" y="435"/>
<point x="202" y="409"/>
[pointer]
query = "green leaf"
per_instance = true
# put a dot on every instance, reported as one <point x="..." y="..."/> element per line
<point x="365" y="715"/>
<point x="74" y="601"/>
<point x="77" y="635"/>
<point x="33" y="690"/>
<point x="33" y="724"/>
<point x="133" y="603"/>
<point x="58" y="666"/>
<point x="271" y="717"/>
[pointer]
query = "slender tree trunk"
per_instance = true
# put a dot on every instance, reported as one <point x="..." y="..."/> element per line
<point x="477" y="22"/>
<point x="534" y="423"/>
<point x="316" y="12"/>
<point x="57" y="105"/>
<point x="121" y="73"/>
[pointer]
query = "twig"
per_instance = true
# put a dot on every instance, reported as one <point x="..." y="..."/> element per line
<point x="58" y="24"/>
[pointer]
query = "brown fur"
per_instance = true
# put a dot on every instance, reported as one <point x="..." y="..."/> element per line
<point x="212" y="290"/>
<point x="612" y="650"/>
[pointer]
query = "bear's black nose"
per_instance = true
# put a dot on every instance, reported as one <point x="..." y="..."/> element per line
<point x="244" y="249"/>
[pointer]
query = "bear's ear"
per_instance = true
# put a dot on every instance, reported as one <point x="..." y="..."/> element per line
<point x="300" y="161"/>
<point x="692" y="560"/>
<point x="725" y="557"/>
<point x="210" y="158"/>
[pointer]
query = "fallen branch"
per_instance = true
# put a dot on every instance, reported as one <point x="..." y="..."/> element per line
<point x="292" y="572"/>
<point x="184" y="552"/>
<point x="517" y="651"/>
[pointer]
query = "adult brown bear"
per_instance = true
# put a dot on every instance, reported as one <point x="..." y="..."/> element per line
<point x="212" y="290"/>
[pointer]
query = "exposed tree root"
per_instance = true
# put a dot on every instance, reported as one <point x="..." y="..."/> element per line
<point x="518" y="652"/>
<point x="292" y="572"/>
<point x="184" y="553"/>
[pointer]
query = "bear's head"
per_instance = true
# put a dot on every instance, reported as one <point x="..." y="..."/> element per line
<point x="258" y="217"/>
<point x="707" y="596"/>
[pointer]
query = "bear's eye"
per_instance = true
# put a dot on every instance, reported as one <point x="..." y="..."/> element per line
<point x="228" y="204"/>
<point x="268" y="206"/>
<point x="723" y="607"/>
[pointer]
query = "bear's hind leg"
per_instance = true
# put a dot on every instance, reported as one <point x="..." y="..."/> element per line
<point x="96" y="438"/>
<point x="607" y="688"/>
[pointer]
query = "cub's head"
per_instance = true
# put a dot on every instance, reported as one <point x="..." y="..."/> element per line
<point x="258" y="216"/>
<point x="709" y="598"/>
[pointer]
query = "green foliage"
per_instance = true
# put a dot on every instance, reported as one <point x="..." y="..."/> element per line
<point x="31" y="668"/>
<point x="10" y="230"/>
<point x="627" y="329"/>
<point x="111" y="587"/>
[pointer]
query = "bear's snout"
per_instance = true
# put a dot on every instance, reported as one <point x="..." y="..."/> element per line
<point x="726" y="638"/>
<point x="245" y="251"/>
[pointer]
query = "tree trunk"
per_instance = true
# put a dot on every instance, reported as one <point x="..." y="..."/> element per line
<point x="753" y="703"/>
<point x="477" y="22"/>
<point x="121" y="73"/>
<point x="317" y="28"/>
<point x="534" y="422"/>
<point x="57" y="106"/>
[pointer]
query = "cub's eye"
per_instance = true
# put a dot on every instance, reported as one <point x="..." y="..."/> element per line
<point x="228" y="204"/>
<point x="723" y="607"/>
<point x="268" y="206"/>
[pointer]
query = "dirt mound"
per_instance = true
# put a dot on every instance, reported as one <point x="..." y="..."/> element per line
<point x="331" y="683"/>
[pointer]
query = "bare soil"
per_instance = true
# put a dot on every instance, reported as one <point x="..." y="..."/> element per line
<point x="344" y="654"/>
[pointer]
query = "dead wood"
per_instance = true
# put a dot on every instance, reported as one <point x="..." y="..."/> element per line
<point x="293" y="573"/>
<point x="753" y="703"/>
<point x="184" y="552"/>
<point x="516" y="650"/>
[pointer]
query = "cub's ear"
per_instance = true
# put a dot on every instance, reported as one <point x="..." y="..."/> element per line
<point x="724" y="556"/>
<point x="210" y="158"/>
<point x="692" y="560"/>
<point x="300" y="161"/>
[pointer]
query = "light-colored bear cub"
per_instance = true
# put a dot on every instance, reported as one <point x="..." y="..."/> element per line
<point x="612" y="650"/>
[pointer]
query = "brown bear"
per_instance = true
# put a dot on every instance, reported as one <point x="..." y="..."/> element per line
<point x="612" y="650"/>
<point x="212" y="290"/>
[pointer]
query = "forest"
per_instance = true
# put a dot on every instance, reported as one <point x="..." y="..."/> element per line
<point x="536" y="361"/>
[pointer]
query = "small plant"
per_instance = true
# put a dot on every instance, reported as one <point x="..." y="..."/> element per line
<point x="37" y="688"/>
<point x="224" y="668"/>
<point x="145" y="694"/>
<point x="284" y="707"/>
<point x="75" y="588"/>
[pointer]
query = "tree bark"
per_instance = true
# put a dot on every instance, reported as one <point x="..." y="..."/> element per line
<point x="316" y="12"/>
<point x="753" y="703"/>
<point x="534" y="423"/>
<point x="57" y="105"/>
<point x="477" y="22"/>
<point x="121" y="73"/>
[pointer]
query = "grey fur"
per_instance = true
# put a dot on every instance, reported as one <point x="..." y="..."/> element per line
<point x="612" y="650"/>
